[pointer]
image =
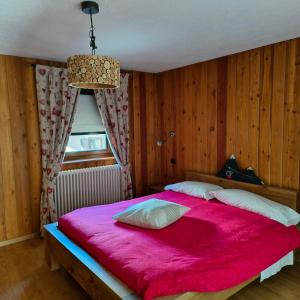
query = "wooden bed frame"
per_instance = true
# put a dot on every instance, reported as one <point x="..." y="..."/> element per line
<point x="284" y="196"/>
<point x="99" y="283"/>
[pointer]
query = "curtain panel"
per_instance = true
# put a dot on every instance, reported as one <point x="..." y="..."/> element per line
<point x="56" y="106"/>
<point x="113" y="107"/>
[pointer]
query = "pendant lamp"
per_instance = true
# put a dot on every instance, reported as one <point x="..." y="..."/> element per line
<point x="93" y="71"/>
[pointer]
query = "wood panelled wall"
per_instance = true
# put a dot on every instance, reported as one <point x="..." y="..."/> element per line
<point x="247" y="104"/>
<point x="263" y="111"/>
<point x="146" y="129"/>
<point x="19" y="150"/>
<point x="20" y="166"/>
<point x="190" y="99"/>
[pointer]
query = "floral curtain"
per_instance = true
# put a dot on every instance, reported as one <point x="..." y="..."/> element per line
<point x="56" y="105"/>
<point x="113" y="107"/>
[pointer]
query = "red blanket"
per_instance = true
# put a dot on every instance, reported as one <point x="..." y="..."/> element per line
<point x="213" y="247"/>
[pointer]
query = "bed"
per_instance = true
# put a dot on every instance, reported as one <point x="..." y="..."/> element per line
<point x="101" y="284"/>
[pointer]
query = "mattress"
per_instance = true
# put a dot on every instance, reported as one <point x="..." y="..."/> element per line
<point x="213" y="247"/>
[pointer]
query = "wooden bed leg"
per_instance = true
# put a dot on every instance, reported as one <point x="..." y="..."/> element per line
<point x="51" y="261"/>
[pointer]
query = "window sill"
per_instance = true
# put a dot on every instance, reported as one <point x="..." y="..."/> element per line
<point x="88" y="159"/>
<point x="87" y="163"/>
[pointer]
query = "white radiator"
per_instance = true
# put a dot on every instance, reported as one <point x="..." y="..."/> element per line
<point x="87" y="187"/>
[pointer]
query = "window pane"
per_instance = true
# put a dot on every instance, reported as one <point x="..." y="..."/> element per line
<point x="86" y="142"/>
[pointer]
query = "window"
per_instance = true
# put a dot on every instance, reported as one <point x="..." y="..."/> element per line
<point x="88" y="140"/>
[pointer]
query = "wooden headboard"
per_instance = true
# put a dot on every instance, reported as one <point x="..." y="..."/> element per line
<point x="284" y="196"/>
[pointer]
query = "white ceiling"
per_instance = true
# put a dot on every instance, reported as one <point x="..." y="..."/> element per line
<point x="146" y="35"/>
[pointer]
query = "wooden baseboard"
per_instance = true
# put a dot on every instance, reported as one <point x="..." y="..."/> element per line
<point x="18" y="239"/>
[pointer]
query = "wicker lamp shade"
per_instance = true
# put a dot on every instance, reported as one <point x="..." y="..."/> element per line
<point x="93" y="72"/>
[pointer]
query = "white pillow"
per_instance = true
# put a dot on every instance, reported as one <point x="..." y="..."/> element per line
<point x="258" y="204"/>
<point x="194" y="188"/>
<point x="153" y="213"/>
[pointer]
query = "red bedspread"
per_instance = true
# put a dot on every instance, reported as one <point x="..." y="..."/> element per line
<point x="213" y="247"/>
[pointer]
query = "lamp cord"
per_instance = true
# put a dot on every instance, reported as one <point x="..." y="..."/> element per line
<point x="91" y="34"/>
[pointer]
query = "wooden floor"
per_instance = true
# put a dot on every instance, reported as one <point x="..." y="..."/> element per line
<point x="24" y="275"/>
